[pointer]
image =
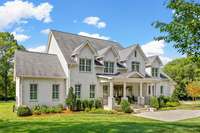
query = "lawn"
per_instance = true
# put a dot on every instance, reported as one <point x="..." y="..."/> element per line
<point x="90" y="123"/>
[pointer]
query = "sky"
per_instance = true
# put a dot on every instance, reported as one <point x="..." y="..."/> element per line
<point x="127" y="22"/>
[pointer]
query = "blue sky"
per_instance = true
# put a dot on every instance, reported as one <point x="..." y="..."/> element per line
<point x="127" y="22"/>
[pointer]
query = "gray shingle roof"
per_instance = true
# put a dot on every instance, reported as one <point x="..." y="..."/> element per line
<point x="69" y="42"/>
<point x="126" y="52"/>
<point x="151" y="59"/>
<point x="35" y="64"/>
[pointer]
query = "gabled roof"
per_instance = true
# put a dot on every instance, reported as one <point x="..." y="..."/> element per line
<point x="103" y="51"/>
<point x="34" y="64"/>
<point x="125" y="53"/>
<point x="68" y="42"/>
<point x="85" y="43"/>
<point x="151" y="59"/>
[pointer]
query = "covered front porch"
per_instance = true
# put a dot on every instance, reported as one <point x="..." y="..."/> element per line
<point x="137" y="90"/>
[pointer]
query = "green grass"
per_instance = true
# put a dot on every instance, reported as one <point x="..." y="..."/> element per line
<point x="192" y="106"/>
<point x="90" y="123"/>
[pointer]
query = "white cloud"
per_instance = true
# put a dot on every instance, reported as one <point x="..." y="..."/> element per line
<point x="165" y="59"/>
<point x="101" y="25"/>
<point x="40" y="48"/>
<point x="19" y="29"/>
<point x="95" y="21"/>
<point x="20" y="37"/>
<point x="95" y="35"/>
<point x="19" y="11"/>
<point x="45" y="31"/>
<point x="156" y="48"/>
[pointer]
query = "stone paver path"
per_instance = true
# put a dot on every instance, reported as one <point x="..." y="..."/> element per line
<point x="170" y="116"/>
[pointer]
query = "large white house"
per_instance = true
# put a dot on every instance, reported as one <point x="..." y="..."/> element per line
<point x="95" y="68"/>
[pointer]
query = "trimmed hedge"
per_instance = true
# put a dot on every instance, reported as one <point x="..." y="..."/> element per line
<point x="23" y="111"/>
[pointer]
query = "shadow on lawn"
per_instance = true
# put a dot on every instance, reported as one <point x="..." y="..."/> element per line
<point x="98" y="127"/>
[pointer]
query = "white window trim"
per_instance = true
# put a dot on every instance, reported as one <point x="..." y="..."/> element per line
<point x="85" y="65"/>
<point x="109" y="67"/>
<point x="56" y="99"/>
<point x="33" y="100"/>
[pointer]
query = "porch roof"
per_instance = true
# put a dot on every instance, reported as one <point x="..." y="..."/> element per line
<point x="127" y="77"/>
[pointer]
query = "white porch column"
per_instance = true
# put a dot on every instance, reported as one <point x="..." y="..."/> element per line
<point x="141" y="98"/>
<point x="124" y="91"/>
<point x="140" y="89"/>
<point x="151" y="89"/>
<point x="110" y="98"/>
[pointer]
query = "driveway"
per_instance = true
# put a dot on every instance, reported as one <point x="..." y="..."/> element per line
<point x="170" y="116"/>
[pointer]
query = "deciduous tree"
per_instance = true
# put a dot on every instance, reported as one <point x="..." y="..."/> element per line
<point x="184" y="29"/>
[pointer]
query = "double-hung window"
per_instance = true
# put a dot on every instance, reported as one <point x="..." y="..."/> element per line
<point x="135" y="66"/>
<point x="78" y="91"/>
<point x="108" y="67"/>
<point x="92" y="91"/>
<point x="33" y="91"/>
<point x="55" y="91"/>
<point x="85" y="65"/>
<point x="154" y="72"/>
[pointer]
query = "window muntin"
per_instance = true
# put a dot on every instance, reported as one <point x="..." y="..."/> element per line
<point x="108" y="67"/>
<point x="92" y="91"/>
<point x="154" y="72"/>
<point x="161" y="89"/>
<point x="78" y="91"/>
<point x="33" y="91"/>
<point x="55" y="91"/>
<point x="85" y="65"/>
<point x="136" y="66"/>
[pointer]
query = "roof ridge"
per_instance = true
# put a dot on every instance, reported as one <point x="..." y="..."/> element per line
<point x="26" y="51"/>
<point x="84" y="36"/>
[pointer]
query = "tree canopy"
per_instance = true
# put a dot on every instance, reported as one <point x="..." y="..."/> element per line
<point x="8" y="45"/>
<point x="182" y="71"/>
<point x="184" y="29"/>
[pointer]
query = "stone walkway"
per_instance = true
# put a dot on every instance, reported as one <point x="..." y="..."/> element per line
<point x="170" y="116"/>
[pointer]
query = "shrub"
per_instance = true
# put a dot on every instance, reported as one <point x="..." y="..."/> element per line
<point x="55" y="109"/>
<point x="172" y="104"/>
<point x="71" y="99"/>
<point x="85" y="104"/>
<point x="44" y="109"/>
<point x="23" y="111"/>
<point x="91" y="104"/>
<point x="125" y="106"/>
<point x="100" y="111"/>
<point x="98" y="103"/>
<point x="87" y="109"/>
<point x="60" y="106"/>
<point x="154" y="102"/>
<point x="78" y="105"/>
<point x="36" y="110"/>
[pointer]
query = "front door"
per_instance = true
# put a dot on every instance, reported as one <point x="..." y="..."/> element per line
<point x="105" y="95"/>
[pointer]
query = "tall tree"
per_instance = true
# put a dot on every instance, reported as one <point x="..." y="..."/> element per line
<point x="182" y="71"/>
<point x="8" y="45"/>
<point x="193" y="89"/>
<point x="184" y="29"/>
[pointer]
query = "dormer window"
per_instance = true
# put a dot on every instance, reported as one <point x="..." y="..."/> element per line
<point x="108" y="67"/>
<point x="136" y="66"/>
<point x="154" y="72"/>
<point x="135" y="53"/>
<point x="85" y="65"/>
